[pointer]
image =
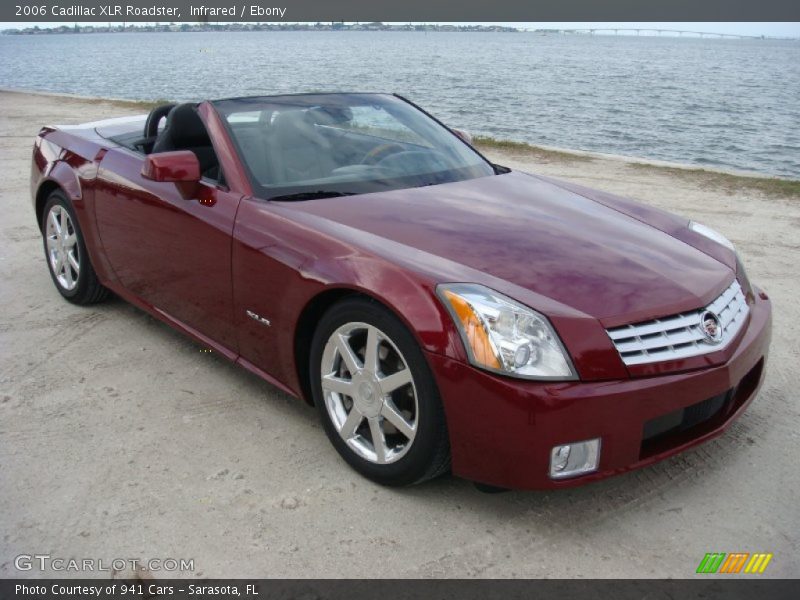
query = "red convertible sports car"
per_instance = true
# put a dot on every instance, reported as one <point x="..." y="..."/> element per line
<point x="443" y="313"/>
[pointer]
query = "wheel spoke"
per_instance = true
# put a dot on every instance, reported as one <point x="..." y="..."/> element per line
<point x="351" y="423"/>
<point x="73" y="262"/>
<point x="348" y="356"/>
<point x="378" y="440"/>
<point x="55" y="223"/>
<point x="390" y="412"/>
<point x="371" y="358"/>
<point x="70" y="239"/>
<point x="331" y="383"/>
<point x="68" y="275"/>
<point x="64" y="228"/>
<point x="59" y="266"/>
<point x="395" y="381"/>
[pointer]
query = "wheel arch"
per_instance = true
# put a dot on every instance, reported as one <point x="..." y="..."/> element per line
<point x="306" y="326"/>
<point x="410" y="314"/>
<point x="61" y="178"/>
<point x="46" y="188"/>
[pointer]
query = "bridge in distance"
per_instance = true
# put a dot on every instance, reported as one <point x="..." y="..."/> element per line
<point x="652" y="31"/>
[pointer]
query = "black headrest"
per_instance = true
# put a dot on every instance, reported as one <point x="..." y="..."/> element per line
<point x="154" y="118"/>
<point x="186" y="128"/>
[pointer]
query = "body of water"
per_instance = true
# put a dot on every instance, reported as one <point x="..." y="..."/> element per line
<point x="731" y="104"/>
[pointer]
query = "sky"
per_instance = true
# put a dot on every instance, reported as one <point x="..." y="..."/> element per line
<point x="791" y="29"/>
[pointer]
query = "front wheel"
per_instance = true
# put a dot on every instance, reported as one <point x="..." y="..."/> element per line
<point x="66" y="254"/>
<point x="376" y="396"/>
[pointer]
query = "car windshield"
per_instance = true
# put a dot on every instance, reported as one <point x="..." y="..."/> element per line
<point x="310" y="146"/>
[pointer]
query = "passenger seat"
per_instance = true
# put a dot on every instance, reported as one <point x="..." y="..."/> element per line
<point x="298" y="152"/>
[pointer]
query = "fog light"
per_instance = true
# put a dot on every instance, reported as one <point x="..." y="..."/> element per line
<point x="569" y="460"/>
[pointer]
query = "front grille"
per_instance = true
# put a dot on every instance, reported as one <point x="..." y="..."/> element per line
<point x="680" y="336"/>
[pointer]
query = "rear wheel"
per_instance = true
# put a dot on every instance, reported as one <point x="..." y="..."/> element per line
<point x="376" y="396"/>
<point x="66" y="254"/>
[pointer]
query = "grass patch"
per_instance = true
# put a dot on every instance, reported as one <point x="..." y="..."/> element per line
<point x="770" y="186"/>
<point x="145" y="105"/>
<point x="728" y="182"/>
<point x="490" y="143"/>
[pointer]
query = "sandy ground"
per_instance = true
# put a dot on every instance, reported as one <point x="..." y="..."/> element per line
<point x="120" y="439"/>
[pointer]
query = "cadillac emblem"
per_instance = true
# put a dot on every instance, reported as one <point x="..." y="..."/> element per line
<point x="710" y="327"/>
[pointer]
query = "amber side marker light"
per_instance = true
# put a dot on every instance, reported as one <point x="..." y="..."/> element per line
<point x="474" y="331"/>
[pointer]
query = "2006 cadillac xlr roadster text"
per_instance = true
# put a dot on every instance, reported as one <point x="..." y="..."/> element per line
<point x="442" y="312"/>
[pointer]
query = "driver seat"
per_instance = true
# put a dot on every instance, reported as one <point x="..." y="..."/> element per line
<point x="185" y="131"/>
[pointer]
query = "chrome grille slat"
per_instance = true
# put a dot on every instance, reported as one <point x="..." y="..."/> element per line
<point x="736" y="321"/>
<point x="656" y="326"/>
<point x="724" y="299"/>
<point x="732" y="311"/>
<point x="679" y="336"/>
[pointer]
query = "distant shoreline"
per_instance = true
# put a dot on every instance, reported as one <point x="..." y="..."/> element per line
<point x="204" y="27"/>
<point x="248" y="27"/>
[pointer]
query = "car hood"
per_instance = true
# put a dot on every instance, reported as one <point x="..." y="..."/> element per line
<point x="539" y="236"/>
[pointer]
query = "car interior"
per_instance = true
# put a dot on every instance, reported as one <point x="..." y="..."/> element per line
<point x="185" y="130"/>
<point x="280" y="147"/>
<point x="318" y="145"/>
<point x="286" y="146"/>
<point x="172" y="127"/>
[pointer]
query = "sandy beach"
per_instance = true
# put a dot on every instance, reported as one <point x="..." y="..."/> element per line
<point x="120" y="438"/>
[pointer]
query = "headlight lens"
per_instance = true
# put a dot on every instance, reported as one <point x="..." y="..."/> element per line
<point x="711" y="234"/>
<point x="504" y="336"/>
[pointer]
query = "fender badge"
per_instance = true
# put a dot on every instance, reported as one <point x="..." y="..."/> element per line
<point x="257" y="317"/>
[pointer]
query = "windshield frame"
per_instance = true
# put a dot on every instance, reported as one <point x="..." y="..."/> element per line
<point x="343" y="188"/>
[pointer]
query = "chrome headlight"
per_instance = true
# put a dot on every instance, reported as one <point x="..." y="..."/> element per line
<point x="504" y="336"/>
<point x="711" y="234"/>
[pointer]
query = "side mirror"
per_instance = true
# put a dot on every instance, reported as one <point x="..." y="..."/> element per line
<point x="180" y="166"/>
<point x="463" y="135"/>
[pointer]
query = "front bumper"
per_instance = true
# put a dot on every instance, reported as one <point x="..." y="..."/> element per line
<point x="502" y="430"/>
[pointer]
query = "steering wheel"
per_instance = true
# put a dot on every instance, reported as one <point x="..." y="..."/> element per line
<point x="378" y="153"/>
<point x="154" y="118"/>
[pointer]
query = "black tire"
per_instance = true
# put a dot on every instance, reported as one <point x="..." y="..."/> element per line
<point x="429" y="454"/>
<point x="87" y="289"/>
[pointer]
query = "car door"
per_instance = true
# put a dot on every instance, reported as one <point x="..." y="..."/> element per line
<point x="173" y="253"/>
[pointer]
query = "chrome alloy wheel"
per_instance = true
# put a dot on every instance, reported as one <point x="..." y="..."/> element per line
<point x="62" y="247"/>
<point x="369" y="392"/>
